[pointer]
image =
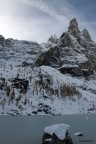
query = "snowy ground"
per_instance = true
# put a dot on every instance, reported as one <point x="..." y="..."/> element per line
<point x="41" y="101"/>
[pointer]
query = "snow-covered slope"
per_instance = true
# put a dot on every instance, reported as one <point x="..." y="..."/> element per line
<point x="46" y="97"/>
<point x="63" y="83"/>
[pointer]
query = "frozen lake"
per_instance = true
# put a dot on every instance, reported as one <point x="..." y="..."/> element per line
<point x="29" y="130"/>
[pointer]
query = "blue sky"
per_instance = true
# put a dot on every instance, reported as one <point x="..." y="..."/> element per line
<point x="36" y="20"/>
<point x="86" y="7"/>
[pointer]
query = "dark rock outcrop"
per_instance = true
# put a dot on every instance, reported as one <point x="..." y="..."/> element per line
<point x="49" y="57"/>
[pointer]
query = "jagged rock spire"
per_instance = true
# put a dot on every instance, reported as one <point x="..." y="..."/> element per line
<point x="73" y="28"/>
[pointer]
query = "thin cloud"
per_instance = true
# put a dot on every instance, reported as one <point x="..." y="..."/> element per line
<point x="28" y="29"/>
<point x="62" y="11"/>
<point x="53" y="19"/>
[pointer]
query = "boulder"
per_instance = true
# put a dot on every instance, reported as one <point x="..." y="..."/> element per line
<point x="57" y="134"/>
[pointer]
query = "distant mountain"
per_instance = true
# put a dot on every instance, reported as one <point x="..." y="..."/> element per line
<point x="53" y="78"/>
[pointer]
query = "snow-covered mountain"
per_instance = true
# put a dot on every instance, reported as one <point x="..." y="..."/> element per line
<point x="53" y="78"/>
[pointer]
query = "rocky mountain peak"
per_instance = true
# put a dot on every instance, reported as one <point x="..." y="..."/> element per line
<point x="73" y="22"/>
<point x="73" y="28"/>
<point x="66" y="38"/>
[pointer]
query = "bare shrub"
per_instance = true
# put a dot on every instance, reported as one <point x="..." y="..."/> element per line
<point x="68" y="90"/>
